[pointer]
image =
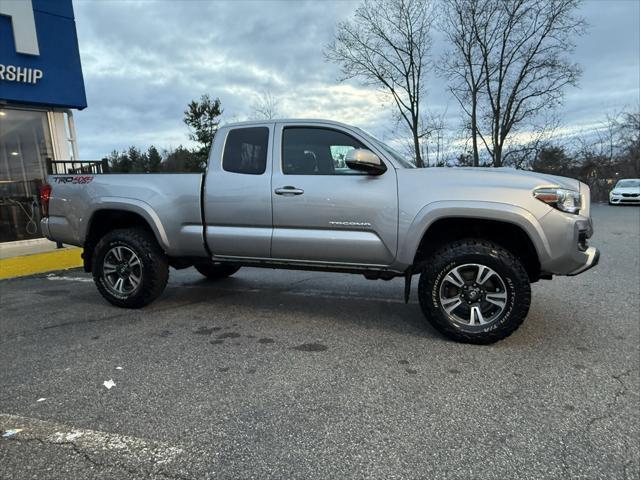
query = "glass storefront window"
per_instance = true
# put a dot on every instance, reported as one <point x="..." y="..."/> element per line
<point x="25" y="143"/>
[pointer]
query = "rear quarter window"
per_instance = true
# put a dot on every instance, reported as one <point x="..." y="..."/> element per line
<point x="245" y="150"/>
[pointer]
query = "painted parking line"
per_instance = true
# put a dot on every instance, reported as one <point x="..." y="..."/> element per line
<point x="62" y="259"/>
<point x="133" y="452"/>
<point x="58" y="278"/>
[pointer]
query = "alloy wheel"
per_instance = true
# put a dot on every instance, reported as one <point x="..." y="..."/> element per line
<point x="473" y="295"/>
<point x="122" y="271"/>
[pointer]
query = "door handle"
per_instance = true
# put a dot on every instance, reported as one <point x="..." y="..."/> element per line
<point x="289" y="190"/>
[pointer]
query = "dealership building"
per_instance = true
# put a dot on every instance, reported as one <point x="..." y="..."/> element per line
<point x="40" y="84"/>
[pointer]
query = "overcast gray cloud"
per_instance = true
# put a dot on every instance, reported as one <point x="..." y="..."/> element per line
<point x="143" y="61"/>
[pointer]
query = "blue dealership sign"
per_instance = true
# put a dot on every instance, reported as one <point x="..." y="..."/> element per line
<point x="39" y="56"/>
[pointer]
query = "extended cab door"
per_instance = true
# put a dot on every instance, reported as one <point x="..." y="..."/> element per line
<point x="237" y="194"/>
<point x="322" y="210"/>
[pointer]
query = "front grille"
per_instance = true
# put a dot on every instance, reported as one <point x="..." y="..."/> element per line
<point x="633" y="195"/>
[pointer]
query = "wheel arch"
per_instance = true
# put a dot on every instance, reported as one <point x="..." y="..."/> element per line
<point x="511" y="227"/>
<point x="109" y="217"/>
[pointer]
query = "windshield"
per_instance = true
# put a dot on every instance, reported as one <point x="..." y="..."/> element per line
<point x="628" y="183"/>
<point x="397" y="156"/>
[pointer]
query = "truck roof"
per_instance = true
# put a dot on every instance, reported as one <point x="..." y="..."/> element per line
<point x="286" y="120"/>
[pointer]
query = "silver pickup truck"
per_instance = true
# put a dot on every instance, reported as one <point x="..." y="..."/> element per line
<point x="320" y="195"/>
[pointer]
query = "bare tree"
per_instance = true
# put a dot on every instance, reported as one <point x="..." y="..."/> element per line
<point x="511" y="58"/>
<point x="265" y="106"/>
<point x="520" y="151"/>
<point x="627" y="125"/>
<point x="433" y="139"/>
<point x="616" y="139"/>
<point x="463" y="65"/>
<point x="386" y="45"/>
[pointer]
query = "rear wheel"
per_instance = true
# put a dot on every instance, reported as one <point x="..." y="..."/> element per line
<point x="216" y="270"/>
<point x="474" y="291"/>
<point x="129" y="268"/>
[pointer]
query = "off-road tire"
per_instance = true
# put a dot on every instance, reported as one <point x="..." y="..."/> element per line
<point x="216" y="270"/>
<point x="475" y="251"/>
<point x="154" y="266"/>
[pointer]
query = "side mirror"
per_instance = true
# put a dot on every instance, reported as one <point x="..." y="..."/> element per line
<point x="365" y="161"/>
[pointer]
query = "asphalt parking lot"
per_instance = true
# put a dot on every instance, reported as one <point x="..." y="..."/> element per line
<point x="282" y="374"/>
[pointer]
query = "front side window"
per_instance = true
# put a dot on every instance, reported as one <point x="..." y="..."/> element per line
<point x="317" y="151"/>
<point x="245" y="150"/>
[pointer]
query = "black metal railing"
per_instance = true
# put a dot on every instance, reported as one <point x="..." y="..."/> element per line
<point x="75" y="167"/>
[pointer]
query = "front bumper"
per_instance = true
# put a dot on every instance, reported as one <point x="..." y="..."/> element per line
<point x="592" y="259"/>
<point x="568" y="240"/>
<point x="624" y="200"/>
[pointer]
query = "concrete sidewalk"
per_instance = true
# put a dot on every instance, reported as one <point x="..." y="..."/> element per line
<point x="18" y="259"/>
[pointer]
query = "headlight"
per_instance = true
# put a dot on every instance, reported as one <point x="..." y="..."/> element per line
<point x="560" y="198"/>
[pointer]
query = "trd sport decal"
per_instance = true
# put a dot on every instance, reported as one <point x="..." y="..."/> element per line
<point x="76" y="179"/>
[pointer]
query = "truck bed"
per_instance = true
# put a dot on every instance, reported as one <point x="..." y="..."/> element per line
<point x="170" y="203"/>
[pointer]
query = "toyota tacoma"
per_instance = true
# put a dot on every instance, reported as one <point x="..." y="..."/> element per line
<point x="321" y="195"/>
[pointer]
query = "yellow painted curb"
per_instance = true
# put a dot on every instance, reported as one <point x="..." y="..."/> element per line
<point x="40" y="263"/>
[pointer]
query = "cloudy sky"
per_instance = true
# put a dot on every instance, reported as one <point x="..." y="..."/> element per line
<point x="143" y="61"/>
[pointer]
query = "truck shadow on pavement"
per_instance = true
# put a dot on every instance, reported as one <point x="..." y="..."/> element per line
<point x="382" y="310"/>
<point x="315" y="306"/>
<point x="307" y="304"/>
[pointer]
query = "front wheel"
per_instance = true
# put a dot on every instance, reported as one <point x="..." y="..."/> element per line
<point x="474" y="291"/>
<point x="129" y="268"/>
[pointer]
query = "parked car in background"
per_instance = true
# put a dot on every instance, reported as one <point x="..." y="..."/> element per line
<point x="320" y="195"/>
<point x="626" y="192"/>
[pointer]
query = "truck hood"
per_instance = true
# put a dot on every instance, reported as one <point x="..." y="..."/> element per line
<point x="505" y="177"/>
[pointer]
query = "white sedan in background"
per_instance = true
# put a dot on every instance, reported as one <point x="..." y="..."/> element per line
<point x="626" y="191"/>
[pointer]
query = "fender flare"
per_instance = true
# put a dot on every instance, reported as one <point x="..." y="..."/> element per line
<point x="502" y="212"/>
<point x="132" y="205"/>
